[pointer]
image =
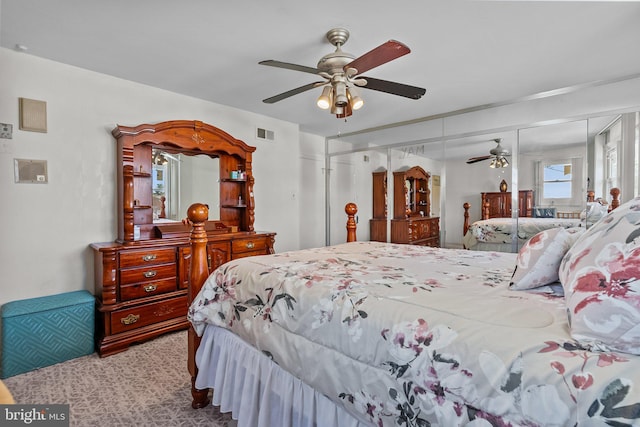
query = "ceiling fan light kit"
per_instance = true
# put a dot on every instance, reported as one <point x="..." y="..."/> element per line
<point x="324" y="100"/>
<point x="342" y="73"/>
<point x="499" y="162"/>
<point x="498" y="156"/>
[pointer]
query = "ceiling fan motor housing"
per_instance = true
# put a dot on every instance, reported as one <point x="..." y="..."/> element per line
<point x="334" y="62"/>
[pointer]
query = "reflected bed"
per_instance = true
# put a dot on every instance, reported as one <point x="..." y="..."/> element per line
<point x="496" y="234"/>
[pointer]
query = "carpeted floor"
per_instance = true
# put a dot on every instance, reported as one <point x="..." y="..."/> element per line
<point x="147" y="385"/>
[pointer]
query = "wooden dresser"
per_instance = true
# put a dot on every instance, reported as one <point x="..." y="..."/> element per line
<point x="141" y="288"/>
<point x="142" y="278"/>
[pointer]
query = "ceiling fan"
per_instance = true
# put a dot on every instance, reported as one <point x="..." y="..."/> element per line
<point x="342" y="73"/>
<point x="498" y="156"/>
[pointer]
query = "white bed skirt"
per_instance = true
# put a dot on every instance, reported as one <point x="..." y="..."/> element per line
<point x="257" y="391"/>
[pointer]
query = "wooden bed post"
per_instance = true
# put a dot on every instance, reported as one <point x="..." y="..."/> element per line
<point x="465" y="226"/>
<point x="486" y="209"/>
<point x="351" y="209"/>
<point x="197" y="214"/>
<point x="615" y="198"/>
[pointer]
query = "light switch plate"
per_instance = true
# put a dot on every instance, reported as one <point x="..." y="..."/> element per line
<point x="6" y="131"/>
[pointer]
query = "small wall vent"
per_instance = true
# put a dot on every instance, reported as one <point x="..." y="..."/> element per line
<point x="264" y="134"/>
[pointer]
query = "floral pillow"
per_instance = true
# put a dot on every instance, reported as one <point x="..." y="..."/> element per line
<point x="600" y="275"/>
<point x="539" y="258"/>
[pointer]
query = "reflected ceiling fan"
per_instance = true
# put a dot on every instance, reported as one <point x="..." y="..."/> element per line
<point x="342" y="73"/>
<point x="498" y="156"/>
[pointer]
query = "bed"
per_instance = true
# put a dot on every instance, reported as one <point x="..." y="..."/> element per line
<point x="497" y="234"/>
<point x="377" y="334"/>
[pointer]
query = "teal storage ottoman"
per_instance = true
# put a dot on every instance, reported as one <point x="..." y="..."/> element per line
<point x="43" y="331"/>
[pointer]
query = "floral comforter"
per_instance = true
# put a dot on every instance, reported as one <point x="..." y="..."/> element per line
<point x="404" y="335"/>
<point x="499" y="230"/>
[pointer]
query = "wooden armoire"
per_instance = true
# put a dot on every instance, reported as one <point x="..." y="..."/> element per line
<point x="142" y="278"/>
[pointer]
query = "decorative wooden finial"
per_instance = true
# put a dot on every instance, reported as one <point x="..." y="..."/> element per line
<point x="351" y="210"/>
<point x="198" y="212"/>
<point x="615" y="198"/>
<point x="163" y="207"/>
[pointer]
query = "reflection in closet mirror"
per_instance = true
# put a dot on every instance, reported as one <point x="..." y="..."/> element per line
<point x="350" y="181"/>
<point x="613" y="147"/>
<point x="552" y="162"/>
<point x="573" y="164"/>
<point x="467" y="183"/>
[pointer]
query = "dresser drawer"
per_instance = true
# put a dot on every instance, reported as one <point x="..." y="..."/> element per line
<point x="147" y="274"/>
<point x="146" y="289"/>
<point x="149" y="257"/>
<point x="148" y="314"/>
<point x="257" y="246"/>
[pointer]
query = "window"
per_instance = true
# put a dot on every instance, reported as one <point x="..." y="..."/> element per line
<point x="557" y="180"/>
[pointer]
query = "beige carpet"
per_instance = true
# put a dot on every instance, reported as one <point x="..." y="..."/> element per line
<point x="147" y="385"/>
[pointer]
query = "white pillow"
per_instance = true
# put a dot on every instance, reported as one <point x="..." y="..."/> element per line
<point x="600" y="275"/>
<point x="539" y="258"/>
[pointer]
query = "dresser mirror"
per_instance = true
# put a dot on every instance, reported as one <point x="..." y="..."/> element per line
<point x="178" y="180"/>
<point x="172" y="163"/>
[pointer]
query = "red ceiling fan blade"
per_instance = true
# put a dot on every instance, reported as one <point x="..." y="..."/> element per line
<point x="380" y="55"/>
<point x="477" y="159"/>
<point x="394" y="88"/>
<point x="292" y="92"/>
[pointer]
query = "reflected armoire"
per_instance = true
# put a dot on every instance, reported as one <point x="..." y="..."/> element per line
<point x="412" y="222"/>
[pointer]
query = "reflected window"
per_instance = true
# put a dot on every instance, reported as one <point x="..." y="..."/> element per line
<point x="613" y="140"/>
<point x="165" y="182"/>
<point x="557" y="181"/>
<point x="612" y="167"/>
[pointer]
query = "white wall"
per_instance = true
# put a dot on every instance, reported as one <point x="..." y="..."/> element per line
<point x="46" y="229"/>
<point x="311" y="199"/>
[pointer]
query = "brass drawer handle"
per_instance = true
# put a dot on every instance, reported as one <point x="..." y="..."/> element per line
<point x="250" y="245"/>
<point x="149" y="257"/>
<point x="150" y="288"/>
<point x="130" y="319"/>
<point x="150" y="273"/>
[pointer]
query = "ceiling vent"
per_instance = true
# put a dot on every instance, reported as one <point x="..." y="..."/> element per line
<point x="264" y="134"/>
